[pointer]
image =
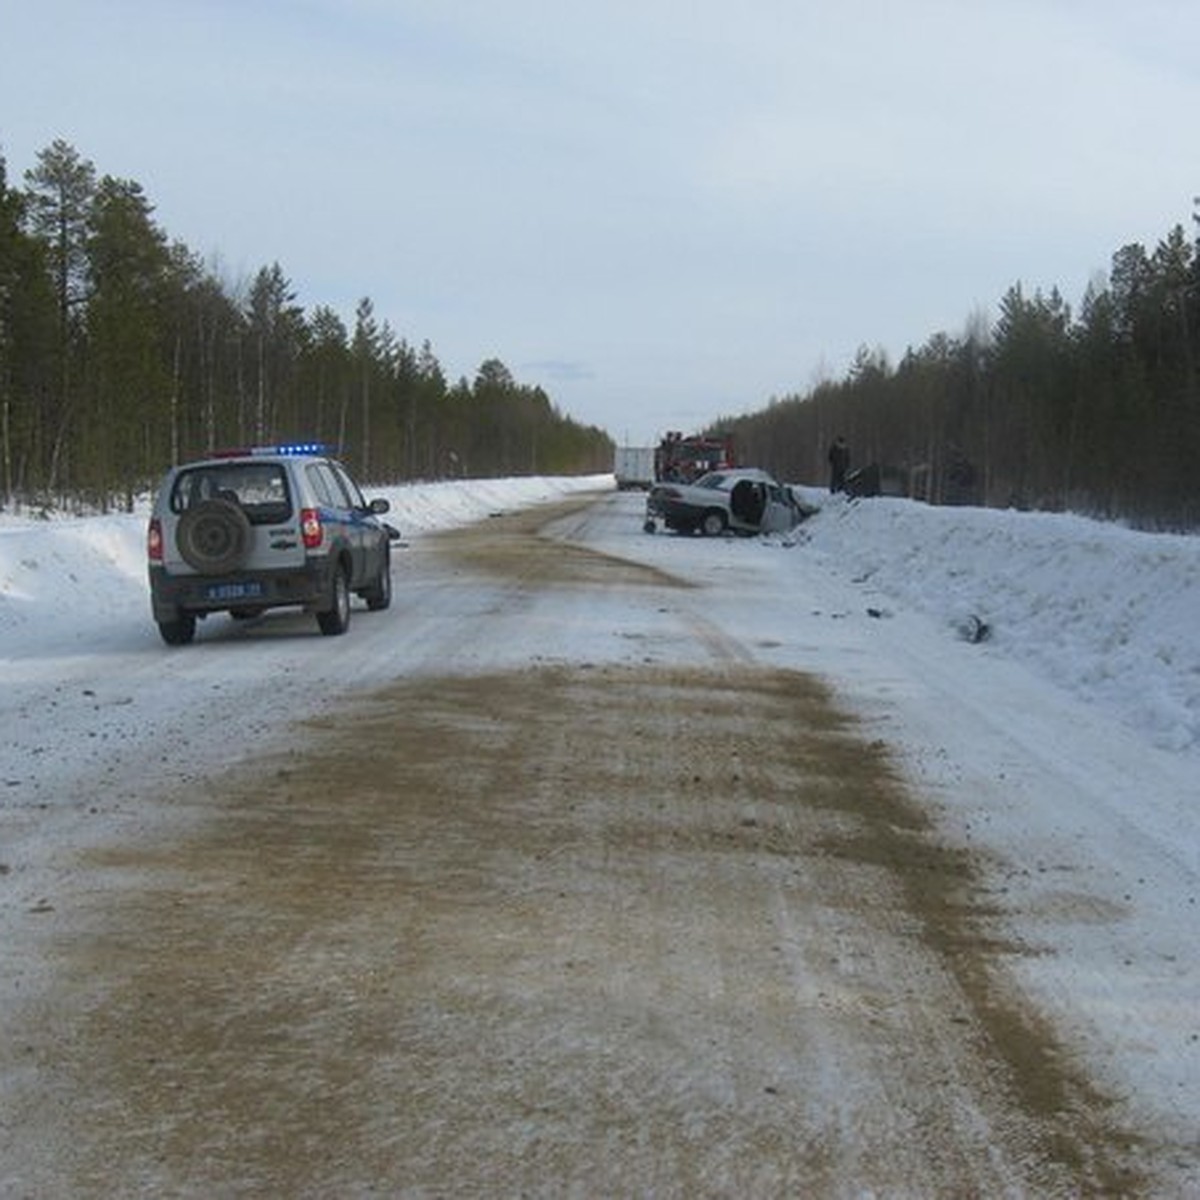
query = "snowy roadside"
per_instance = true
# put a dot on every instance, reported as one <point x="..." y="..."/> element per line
<point x="1104" y="612"/>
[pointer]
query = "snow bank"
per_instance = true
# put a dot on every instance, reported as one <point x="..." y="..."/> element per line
<point x="427" y="507"/>
<point x="1106" y="612"/>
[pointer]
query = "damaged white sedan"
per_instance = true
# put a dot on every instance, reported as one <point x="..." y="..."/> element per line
<point x="742" y="500"/>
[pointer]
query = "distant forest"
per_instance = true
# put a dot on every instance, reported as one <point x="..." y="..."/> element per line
<point x="1096" y="412"/>
<point x="121" y="352"/>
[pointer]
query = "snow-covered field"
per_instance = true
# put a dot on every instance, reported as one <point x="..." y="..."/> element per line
<point x="1065" y="745"/>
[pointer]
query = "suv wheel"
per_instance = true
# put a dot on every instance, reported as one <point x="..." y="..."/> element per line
<point x="379" y="595"/>
<point x="214" y="537"/>
<point x="178" y="632"/>
<point x="713" y="523"/>
<point x="337" y="618"/>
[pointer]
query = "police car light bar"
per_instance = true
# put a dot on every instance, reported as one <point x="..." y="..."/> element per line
<point x="291" y="449"/>
<point x="296" y="448"/>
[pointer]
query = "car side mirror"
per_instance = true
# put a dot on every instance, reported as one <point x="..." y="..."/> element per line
<point x="379" y="507"/>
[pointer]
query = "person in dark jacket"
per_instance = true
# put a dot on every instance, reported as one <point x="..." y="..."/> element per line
<point x="839" y="464"/>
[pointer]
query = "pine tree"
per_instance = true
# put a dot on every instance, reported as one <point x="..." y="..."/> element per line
<point x="60" y="190"/>
<point x="127" y="336"/>
<point x="276" y="330"/>
<point x="366" y="350"/>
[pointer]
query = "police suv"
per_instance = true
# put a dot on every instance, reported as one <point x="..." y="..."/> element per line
<point x="268" y="527"/>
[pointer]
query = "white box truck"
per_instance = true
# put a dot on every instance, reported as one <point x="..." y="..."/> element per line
<point x="633" y="467"/>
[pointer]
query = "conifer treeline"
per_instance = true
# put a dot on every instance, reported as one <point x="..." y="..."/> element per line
<point x="1097" y="413"/>
<point x="121" y="352"/>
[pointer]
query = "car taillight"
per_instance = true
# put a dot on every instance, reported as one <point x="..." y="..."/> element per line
<point x="310" y="528"/>
<point x="154" y="540"/>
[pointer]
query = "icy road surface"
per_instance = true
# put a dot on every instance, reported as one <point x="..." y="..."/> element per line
<point x="600" y="864"/>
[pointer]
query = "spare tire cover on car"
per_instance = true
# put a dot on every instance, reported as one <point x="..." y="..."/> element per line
<point x="214" y="537"/>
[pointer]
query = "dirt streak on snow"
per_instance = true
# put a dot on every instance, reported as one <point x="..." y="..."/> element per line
<point x="1061" y="753"/>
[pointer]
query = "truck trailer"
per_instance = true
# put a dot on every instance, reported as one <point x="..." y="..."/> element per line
<point x="633" y="467"/>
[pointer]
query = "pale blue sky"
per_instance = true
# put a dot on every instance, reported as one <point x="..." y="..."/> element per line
<point x="662" y="211"/>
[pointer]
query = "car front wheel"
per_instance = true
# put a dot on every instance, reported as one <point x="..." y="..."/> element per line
<point x="336" y="619"/>
<point x="379" y="595"/>
<point x="713" y="523"/>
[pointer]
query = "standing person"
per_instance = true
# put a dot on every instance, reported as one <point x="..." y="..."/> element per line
<point x="839" y="464"/>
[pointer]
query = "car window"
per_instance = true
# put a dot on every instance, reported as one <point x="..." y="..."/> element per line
<point x="324" y="486"/>
<point x="336" y="486"/>
<point x="713" y="480"/>
<point x="260" y="489"/>
<point x="349" y="486"/>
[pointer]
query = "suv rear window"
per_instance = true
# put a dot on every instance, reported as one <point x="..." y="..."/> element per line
<point x="260" y="488"/>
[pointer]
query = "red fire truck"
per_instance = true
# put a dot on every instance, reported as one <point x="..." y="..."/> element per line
<point x="680" y="459"/>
